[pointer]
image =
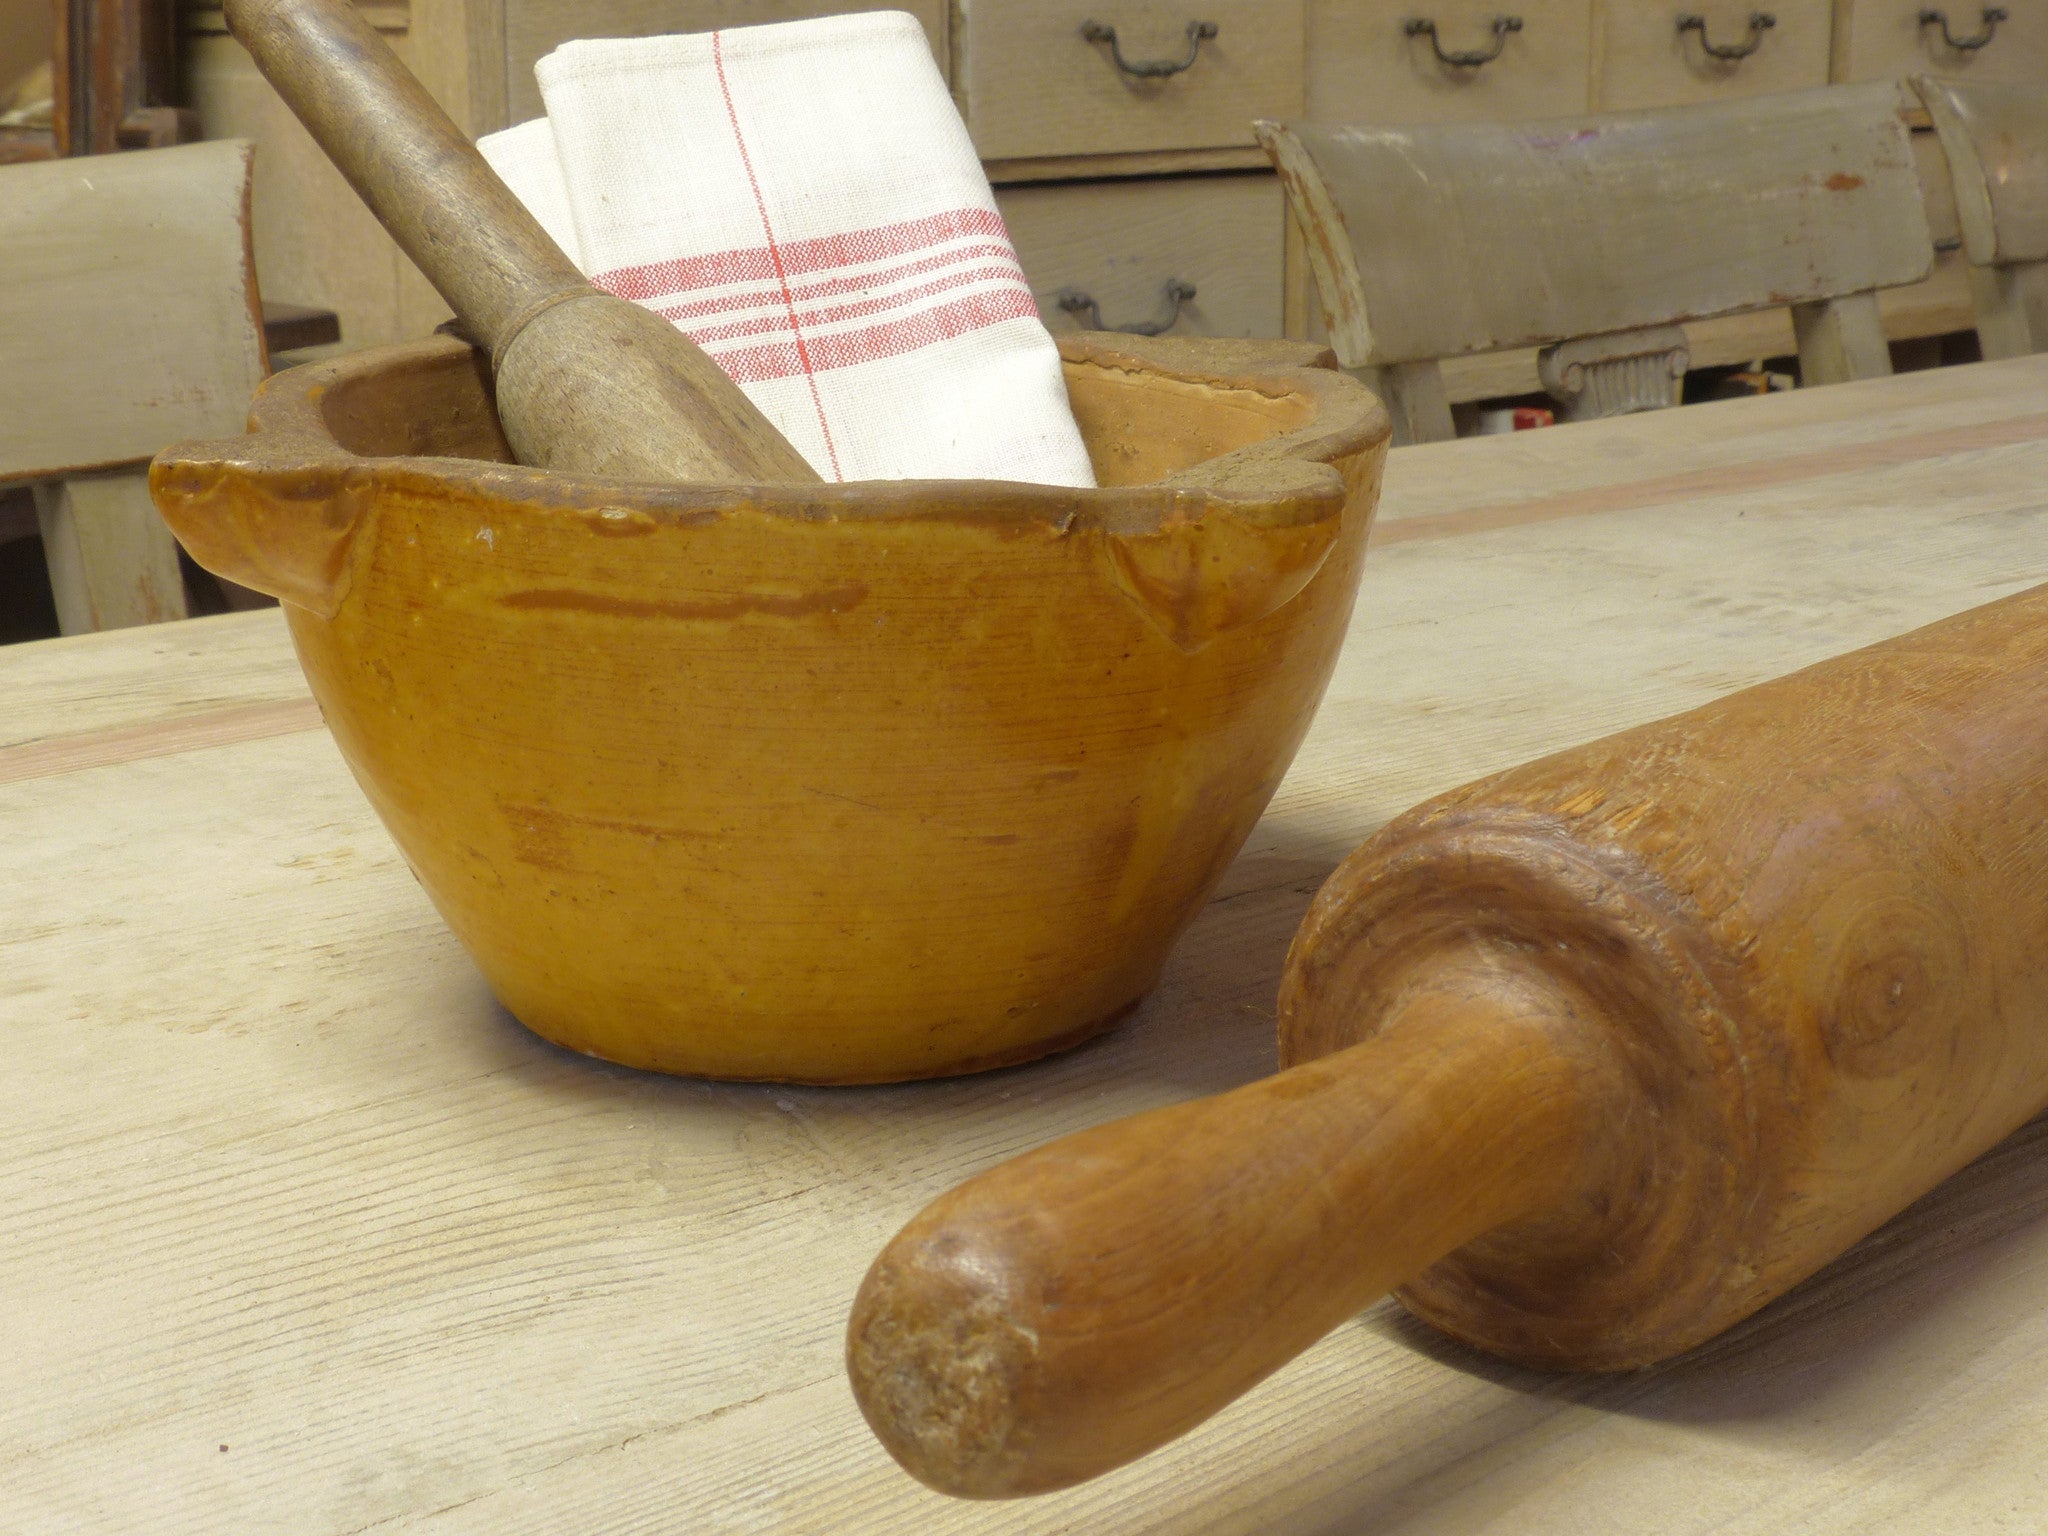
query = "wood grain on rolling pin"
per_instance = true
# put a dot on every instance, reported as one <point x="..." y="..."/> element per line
<point x="1591" y="1059"/>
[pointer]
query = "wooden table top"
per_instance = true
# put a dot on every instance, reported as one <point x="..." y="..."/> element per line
<point x="300" y="1232"/>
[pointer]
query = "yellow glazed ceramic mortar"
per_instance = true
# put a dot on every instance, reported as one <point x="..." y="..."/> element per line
<point x="821" y="783"/>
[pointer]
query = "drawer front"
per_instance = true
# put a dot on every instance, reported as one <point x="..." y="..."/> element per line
<point x="1122" y="243"/>
<point x="534" y="28"/>
<point x="1884" y="39"/>
<point x="1032" y="84"/>
<point x="1365" y="67"/>
<point x="1645" y="60"/>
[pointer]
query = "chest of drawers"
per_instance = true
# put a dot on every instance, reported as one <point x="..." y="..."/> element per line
<point x="1117" y="131"/>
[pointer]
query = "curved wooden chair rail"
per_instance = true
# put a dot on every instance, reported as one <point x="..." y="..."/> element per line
<point x="1590" y="1060"/>
<point x="1602" y="233"/>
<point x="1995" y="139"/>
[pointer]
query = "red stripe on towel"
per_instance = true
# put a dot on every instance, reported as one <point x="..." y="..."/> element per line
<point x="776" y="262"/>
<point x="781" y="360"/>
<point x="706" y="328"/>
<point x="768" y="233"/>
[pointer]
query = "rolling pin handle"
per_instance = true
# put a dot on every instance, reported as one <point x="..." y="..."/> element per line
<point x="1071" y="1310"/>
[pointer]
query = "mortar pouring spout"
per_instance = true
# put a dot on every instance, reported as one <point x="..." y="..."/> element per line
<point x="272" y="522"/>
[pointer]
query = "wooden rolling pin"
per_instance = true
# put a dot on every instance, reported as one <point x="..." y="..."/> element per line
<point x="584" y="380"/>
<point x="1601" y="1055"/>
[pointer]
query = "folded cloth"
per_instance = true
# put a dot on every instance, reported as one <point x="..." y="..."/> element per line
<point x="802" y="199"/>
<point x="526" y="161"/>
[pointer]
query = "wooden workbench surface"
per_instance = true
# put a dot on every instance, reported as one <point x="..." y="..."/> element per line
<point x="299" y="1232"/>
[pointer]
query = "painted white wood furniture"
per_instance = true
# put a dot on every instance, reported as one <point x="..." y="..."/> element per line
<point x="128" y="319"/>
<point x="1593" y="238"/>
<point x="1124" y="188"/>
<point x="1995" y="136"/>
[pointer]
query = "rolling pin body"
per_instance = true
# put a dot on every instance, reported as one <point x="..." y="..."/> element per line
<point x="1591" y="1059"/>
<point x="584" y="380"/>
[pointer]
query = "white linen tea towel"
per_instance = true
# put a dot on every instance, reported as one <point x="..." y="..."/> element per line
<point x="802" y="199"/>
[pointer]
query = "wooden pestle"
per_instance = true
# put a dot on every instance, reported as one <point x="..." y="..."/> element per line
<point x="1591" y="1059"/>
<point x="584" y="380"/>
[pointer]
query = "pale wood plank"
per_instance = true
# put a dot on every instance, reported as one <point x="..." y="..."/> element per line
<point x="73" y="752"/>
<point x="1903" y="419"/>
<point x="276" y="1174"/>
<point x="146" y="678"/>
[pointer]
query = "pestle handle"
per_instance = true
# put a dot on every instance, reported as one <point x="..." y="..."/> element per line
<point x="419" y="173"/>
<point x="1070" y="1310"/>
<point x="595" y="384"/>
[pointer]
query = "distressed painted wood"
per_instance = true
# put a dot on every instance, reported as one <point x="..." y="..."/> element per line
<point x="1935" y="307"/>
<point x="658" y="830"/>
<point x="1610" y="223"/>
<point x="1616" y="373"/>
<point x="1995" y="139"/>
<point x="584" y="381"/>
<point x="1588" y="1061"/>
<point x="1840" y="339"/>
<point x="276" y="1174"/>
<point x="128" y="319"/>
<point x="129" y="316"/>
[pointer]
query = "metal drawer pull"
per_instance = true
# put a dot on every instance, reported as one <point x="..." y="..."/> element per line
<point x="1760" y="22"/>
<point x="1079" y="304"/>
<point x="1149" y="69"/>
<point x="1993" y="15"/>
<point x="1472" y="58"/>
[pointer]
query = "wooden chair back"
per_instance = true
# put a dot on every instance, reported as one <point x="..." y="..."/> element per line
<point x="129" y="320"/>
<point x="1596" y="237"/>
<point x="1995" y="138"/>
